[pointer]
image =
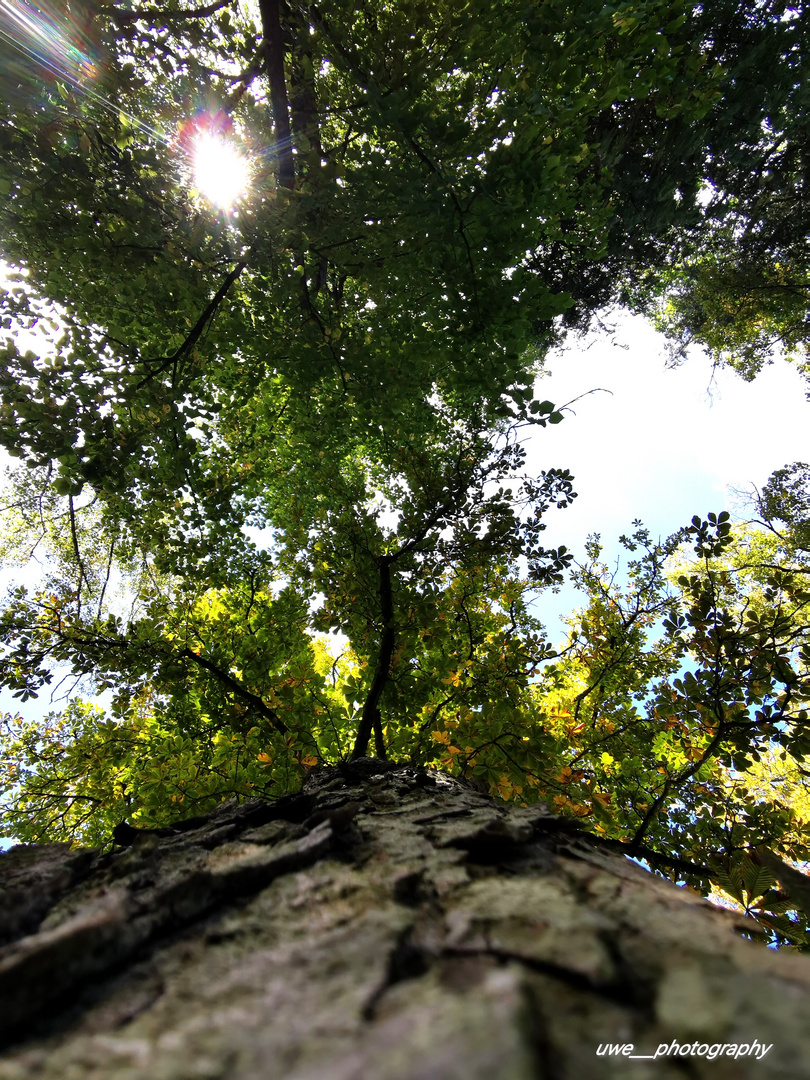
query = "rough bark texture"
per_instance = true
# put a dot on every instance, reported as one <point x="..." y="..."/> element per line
<point x="386" y="924"/>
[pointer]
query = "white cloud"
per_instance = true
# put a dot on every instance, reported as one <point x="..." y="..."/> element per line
<point x="663" y="444"/>
<point x="662" y="441"/>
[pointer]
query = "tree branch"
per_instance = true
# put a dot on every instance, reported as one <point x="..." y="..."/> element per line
<point x="371" y="710"/>
<point x="379" y="741"/>
<point x="124" y="18"/>
<point x="676" y="781"/>
<point x="303" y="104"/>
<point x="82" y="573"/>
<point x="106" y="579"/>
<point x="194" y="335"/>
<point x="794" y="882"/>
<point x="274" y="66"/>
<point x="237" y="688"/>
<point x="244" y="79"/>
<point x="655" y="858"/>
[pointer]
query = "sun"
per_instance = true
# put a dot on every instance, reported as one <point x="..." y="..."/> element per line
<point x="221" y="171"/>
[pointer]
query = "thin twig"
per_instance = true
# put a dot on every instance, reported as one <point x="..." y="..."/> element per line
<point x="82" y="573"/>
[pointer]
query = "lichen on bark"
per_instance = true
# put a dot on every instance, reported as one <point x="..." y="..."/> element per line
<point x="386" y="923"/>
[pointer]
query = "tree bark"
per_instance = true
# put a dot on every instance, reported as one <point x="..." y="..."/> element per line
<point x="270" y="11"/>
<point x="370" y="719"/>
<point x="388" y="923"/>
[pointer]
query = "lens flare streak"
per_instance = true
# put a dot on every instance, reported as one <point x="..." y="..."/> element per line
<point x="62" y="49"/>
<point x="65" y="53"/>
<point x="65" y="57"/>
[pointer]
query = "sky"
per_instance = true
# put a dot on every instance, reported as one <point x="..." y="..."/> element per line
<point x="655" y="443"/>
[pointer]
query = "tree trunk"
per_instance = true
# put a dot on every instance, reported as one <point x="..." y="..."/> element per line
<point x="386" y="924"/>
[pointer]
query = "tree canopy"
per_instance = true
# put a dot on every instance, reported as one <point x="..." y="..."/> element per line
<point x="738" y="283"/>
<point x="260" y="426"/>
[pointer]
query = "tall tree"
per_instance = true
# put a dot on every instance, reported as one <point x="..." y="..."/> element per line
<point x="345" y="361"/>
<point x="385" y="922"/>
<point x="371" y="317"/>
